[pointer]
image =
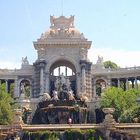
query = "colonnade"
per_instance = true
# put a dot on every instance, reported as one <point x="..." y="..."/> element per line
<point x="126" y="83"/>
<point x="83" y="77"/>
<point x="16" y="91"/>
<point x="8" y="83"/>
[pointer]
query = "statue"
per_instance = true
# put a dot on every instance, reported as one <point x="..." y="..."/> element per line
<point x="62" y="89"/>
<point x="25" y="61"/>
<point x="62" y="22"/>
<point x="45" y="97"/>
<point x="18" y="117"/>
<point x="84" y="97"/>
<point x="100" y="60"/>
<point x="57" y="83"/>
<point x="71" y="95"/>
<point x="63" y="80"/>
<point x="68" y="83"/>
<point x="55" y="95"/>
<point x="22" y="87"/>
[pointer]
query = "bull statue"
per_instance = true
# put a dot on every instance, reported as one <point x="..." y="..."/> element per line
<point x="45" y="97"/>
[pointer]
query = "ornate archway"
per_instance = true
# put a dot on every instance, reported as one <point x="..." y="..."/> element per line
<point x="62" y="74"/>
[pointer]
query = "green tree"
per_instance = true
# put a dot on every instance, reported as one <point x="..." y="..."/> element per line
<point x="110" y="64"/>
<point x="6" y="110"/>
<point x="131" y="115"/>
<point x="121" y="100"/>
<point x="12" y="89"/>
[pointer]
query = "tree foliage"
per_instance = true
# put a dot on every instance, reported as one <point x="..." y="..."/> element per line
<point x="122" y="101"/>
<point x="6" y="111"/>
<point x="131" y="115"/>
<point x="110" y="64"/>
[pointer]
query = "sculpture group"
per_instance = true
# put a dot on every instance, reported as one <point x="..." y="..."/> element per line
<point x="62" y="89"/>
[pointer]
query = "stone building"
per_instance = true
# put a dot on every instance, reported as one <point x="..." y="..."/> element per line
<point x="62" y="52"/>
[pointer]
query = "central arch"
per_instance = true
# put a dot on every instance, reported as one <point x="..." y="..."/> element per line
<point x="63" y="68"/>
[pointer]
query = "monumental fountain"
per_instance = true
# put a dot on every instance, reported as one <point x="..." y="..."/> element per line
<point x="63" y="103"/>
<point x="61" y="106"/>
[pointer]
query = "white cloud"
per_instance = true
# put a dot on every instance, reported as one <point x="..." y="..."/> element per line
<point x="8" y="65"/>
<point x="121" y="57"/>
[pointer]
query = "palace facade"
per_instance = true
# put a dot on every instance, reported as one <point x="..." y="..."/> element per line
<point x="62" y="54"/>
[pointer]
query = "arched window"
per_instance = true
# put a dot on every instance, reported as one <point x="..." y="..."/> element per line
<point x="100" y="86"/>
<point x="63" y="68"/>
<point x="25" y="88"/>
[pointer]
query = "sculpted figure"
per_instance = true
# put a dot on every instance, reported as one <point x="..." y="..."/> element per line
<point x="57" y="83"/>
<point x="63" y="80"/>
<point x="83" y="53"/>
<point x="22" y="87"/>
<point x="46" y="96"/>
<point x="100" y="60"/>
<point x="25" y="60"/>
<point x="55" y="95"/>
<point x="68" y="83"/>
<point x="71" y="95"/>
<point x="84" y="98"/>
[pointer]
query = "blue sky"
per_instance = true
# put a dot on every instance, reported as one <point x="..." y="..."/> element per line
<point x="113" y="26"/>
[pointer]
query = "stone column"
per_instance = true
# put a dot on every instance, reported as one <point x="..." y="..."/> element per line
<point x="83" y="78"/>
<point x="47" y="82"/>
<point x="108" y="84"/>
<point x="136" y="84"/>
<point x="132" y="83"/>
<point x="16" y="94"/>
<point x="66" y="71"/>
<point x="6" y="83"/>
<point x="41" y="80"/>
<point x="118" y="84"/>
<point x="59" y="71"/>
<point x="124" y="83"/>
<point x="127" y="84"/>
<point x="94" y="88"/>
<point x="78" y="82"/>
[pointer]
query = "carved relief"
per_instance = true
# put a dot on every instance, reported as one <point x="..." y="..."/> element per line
<point x="41" y="53"/>
<point x="62" y="22"/>
<point x="62" y="27"/>
<point x="83" y="54"/>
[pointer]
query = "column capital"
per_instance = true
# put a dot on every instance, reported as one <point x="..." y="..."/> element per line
<point x="40" y="63"/>
<point x="82" y="62"/>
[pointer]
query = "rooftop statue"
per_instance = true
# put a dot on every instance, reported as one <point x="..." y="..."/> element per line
<point x="25" y="61"/>
<point x="62" y="27"/>
<point x="62" y="22"/>
<point x="100" y="60"/>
